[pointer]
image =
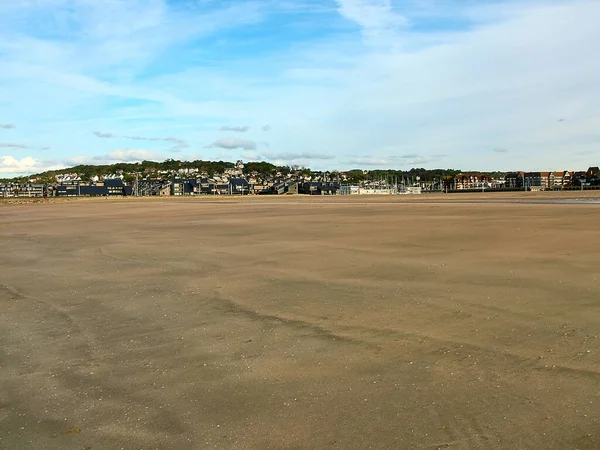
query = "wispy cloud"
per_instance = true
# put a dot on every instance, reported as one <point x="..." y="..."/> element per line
<point x="291" y="156"/>
<point x="17" y="145"/>
<point x="370" y="161"/>
<point x="130" y="155"/>
<point x="233" y="143"/>
<point x="251" y="156"/>
<point x="6" y="126"/>
<point x="12" y="145"/>
<point x="499" y="150"/>
<point x="395" y="161"/>
<point x="236" y="129"/>
<point x="179" y="144"/>
<point x="127" y="155"/>
<point x="78" y="160"/>
<point x="377" y="18"/>
<point x="105" y="135"/>
<point x="285" y="158"/>
<point x="356" y="77"/>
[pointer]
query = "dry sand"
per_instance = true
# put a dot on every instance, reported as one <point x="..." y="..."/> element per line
<point x="299" y="323"/>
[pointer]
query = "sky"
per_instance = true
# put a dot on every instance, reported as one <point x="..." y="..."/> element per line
<point x="327" y="84"/>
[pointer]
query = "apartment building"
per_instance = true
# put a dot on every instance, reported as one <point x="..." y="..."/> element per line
<point x="464" y="181"/>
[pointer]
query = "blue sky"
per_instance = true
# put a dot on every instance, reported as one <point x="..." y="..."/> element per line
<point x="334" y="84"/>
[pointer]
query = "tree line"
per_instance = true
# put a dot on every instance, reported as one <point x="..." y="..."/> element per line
<point x="211" y="168"/>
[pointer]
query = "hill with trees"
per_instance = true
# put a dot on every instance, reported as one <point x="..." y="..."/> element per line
<point x="155" y="169"/>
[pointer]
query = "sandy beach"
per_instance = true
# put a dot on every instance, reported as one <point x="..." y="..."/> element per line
<point x="301" y="323"/>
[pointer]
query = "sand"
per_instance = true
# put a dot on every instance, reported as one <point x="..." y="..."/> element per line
<point x="299" y="323"/>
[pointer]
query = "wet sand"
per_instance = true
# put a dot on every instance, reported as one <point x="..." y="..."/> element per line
<point x="300" y="323"/>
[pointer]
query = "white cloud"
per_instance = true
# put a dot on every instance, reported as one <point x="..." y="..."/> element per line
<point x="6" y="126"/>
<point x="13" y="166"/>
<point x="497" y="75"/>
<point x="503" y="83"/>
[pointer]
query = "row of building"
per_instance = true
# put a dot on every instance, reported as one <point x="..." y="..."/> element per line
<point x="239" y="185"/>
<point x="176" y="187"/>
<point x="525" y="180"/>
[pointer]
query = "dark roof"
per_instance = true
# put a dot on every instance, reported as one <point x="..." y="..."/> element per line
<point x="64" y="190"/>
<point x="238" y="182"/>
<point x="93" y="190"/>
<point x="187" y="184"/>
<point x="115" y="182"/>
<point x="322" y="184"/>
<point x="150" y="182"/>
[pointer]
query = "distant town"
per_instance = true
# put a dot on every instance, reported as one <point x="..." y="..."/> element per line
<point x="189" y="178"/>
